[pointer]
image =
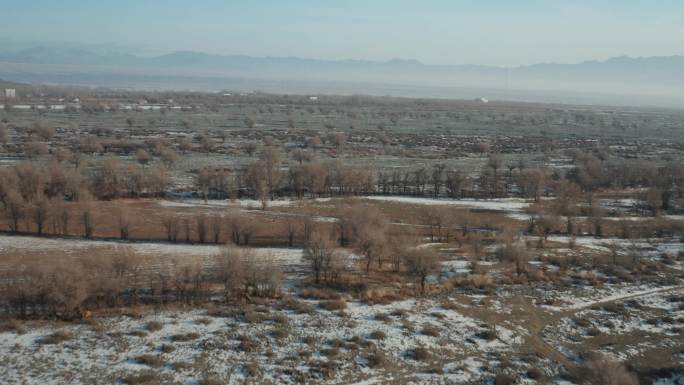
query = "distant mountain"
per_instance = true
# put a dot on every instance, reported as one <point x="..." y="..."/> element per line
<point x="661" y="77"/>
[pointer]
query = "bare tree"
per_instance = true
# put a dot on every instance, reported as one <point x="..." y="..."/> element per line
<point x="201" y="222"/>
<point x="59" y="217"/>
<point x="318" y="253"/>
<point x="124" y="222"/>
<point x="516" y="253"/>
<point x="170" y="223"/>
<point x="231" y="270"/>
<point x="603" y="371"/>
<point x="420" y="263"/>
<point x="216" y="224"/>
<point x="168" y="156"/>
<point x="86" y="216"/>
<point x="15" y="209"/>
<point x="39" y="212"/>
<point x="143" y="157"/>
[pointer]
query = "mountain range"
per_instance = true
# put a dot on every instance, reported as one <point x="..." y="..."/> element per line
<point x="659" y="80"/>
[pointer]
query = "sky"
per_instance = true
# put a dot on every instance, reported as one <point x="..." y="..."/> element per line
<point x="489" y="32"/>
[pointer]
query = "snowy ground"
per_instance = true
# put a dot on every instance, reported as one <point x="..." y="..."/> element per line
<point x="625" y="325"/>
<point x="287" y="347"/>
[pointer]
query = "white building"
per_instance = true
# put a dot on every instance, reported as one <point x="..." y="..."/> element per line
<point x="10" y="93"/>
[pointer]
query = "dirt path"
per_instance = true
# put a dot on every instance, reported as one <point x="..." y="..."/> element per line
<point x="553" y="353"/>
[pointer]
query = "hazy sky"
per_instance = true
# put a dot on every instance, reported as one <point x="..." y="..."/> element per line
<point x="495" y="32"/>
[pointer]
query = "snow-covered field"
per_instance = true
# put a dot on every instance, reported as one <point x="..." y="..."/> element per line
<point x="639" y="320"/>
<point x="503" y="204"/>
<point x="282" y="346"/>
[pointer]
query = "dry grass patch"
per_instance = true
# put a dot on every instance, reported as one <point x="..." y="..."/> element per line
<point x="377" y="335"/>
<point x="184" y="337"/>
<point x="154" y="326"/>
<point x="333" y="305"/>
<point x="150" y="360"/>
<point x="57" y="337"/>
<point x="420" y="353"/>
<point x="145" y="377"/>
<point x="430" y="330"/>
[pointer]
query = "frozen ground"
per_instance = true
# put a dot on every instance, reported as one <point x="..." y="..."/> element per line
<point x="238" y="203"/>
<point x="508" y="205"/>
<point x="626" y="326"/>
<point x="282" y="347"/>
<point x="513" y="207"/>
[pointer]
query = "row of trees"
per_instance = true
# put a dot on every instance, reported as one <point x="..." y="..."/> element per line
<point x="270" y="176"/>
<point x="104" y="278"/>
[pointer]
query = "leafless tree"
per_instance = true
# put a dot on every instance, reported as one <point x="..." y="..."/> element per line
<point x="318" y="253"/>
<point x="516" y="253"/>
<point x="170" y="223"/>
<point x="15" y="209"/>
<point x="420" y="263"/>
<point x="124" y="222"/>
<point x="216" y="224"/>
<point x="87" y="215"/>
<point x="143" y="157"/>
<point x="39" y="212"/>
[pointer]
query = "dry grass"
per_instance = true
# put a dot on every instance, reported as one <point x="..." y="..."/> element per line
<point x="57" y="337"/>
<point x="430" y="330"/>
<point x="377" y="335"/>
<point x="333" y="305"/>
<point x="145" y="377"/>
<point x="151" y="360"/>
<point x="154" y="326"/>
<point x="185" y="337"/>
<point x="420" y="353"/>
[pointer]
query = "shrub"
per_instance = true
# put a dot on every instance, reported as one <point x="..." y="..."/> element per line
<point x="149" y="360"/>
<point x="489" y="334"/>
<point x="333" y="305"/>
<point x="430" y="330"/>
<point x="582" y="322"/>
<point x="504" y="379"/>
<point x="181" y="365"/>
<point x="154" y="326"/>
<point x="534" y="373"/>
<point x="601" y="371"/>
<point x="298" y="307"/>
<point x="378" y="335"/>
<point x="408" y="325"/>
<point x="438" y="315"/>
<point x="335" y="342"/>
<point x="210" y="380"/>
<point x="331" y="352"/>
<point x="252" y="317"/>
<point x="185" y="337"/>
<point x="421" y="354"/>
<point x="280" y="319"/>
<point x="138" y="333"/>
<point x="280" y="333"/>
<point x="252" y="369"/>
<point x="142" y="377"/>
<point x="247" y="345"/>
<point x="324" y="294"/>
<point x="12" y="325"/>
<point x="57" y="337"/>
<point x="377" y="360"/>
